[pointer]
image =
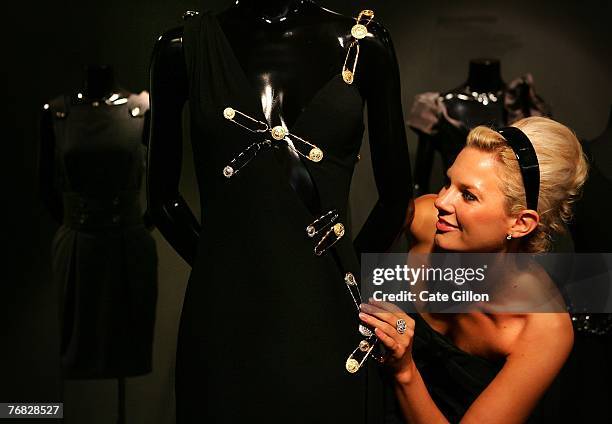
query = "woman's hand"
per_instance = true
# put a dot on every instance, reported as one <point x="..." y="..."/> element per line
<point x="395" y="329"/>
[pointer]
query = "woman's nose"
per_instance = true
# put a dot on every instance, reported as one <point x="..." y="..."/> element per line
<point x="444" y="201"/>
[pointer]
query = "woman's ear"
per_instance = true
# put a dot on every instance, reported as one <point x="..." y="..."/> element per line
<point x="525" y="222"/>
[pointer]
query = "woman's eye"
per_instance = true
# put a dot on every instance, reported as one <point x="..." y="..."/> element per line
<point x="468" y="196"/>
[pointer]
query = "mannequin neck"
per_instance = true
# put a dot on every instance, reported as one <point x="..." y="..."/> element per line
<point x="99" y="82"/>
<point x="271" y="11"/>
<point x="485" y="76"/>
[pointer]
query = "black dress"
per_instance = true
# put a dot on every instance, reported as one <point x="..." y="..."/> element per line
<point x="267" y="325"/>
<point x="454" y="378"/>
<point x="104" y="259"/>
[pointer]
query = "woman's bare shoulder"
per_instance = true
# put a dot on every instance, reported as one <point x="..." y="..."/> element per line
<point x="530" y="289"/>
<point x="535" y="358"/>
<point x="550" y="332"/>
<point x="423" y="226"/>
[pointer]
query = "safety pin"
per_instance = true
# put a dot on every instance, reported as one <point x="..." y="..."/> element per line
<point x="336" y="231"/>
<point x="278" y="133"/>
<point x="244" y="158"/>
<point x="321" y="223"/>
<point x="358" y="31"/>
<point x="353" y="288"/>
<point x="364" y="349"/>
<point x="230" y="114"/>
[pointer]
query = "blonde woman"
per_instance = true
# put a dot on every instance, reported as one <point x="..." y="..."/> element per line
<point x="508" y="191"/>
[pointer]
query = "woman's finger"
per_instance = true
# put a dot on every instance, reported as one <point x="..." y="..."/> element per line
<point x="386" y="340"/>
<point x="389" y="317"/>
<point x="377" y="323"/>
<point x="395" y="310"/>
<point x="387" y="306"/>
<point x="378" y="312"/>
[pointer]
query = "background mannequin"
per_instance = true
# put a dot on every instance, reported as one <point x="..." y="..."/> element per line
<point x="598" y="186"/>
<point x="588" y="235"/>
<point x="98" y="83"/>
<point x="91" y="167"/>
<point x="585" y="380"/>
<point x="290" y="56"/>
<point x="484" y="79"/>
<point x="442" y="121"/>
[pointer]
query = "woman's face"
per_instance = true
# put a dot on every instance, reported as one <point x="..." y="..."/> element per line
<point x="471" y="208"/>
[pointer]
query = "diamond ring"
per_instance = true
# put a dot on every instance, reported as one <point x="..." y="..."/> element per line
<point x="400" y="326"/>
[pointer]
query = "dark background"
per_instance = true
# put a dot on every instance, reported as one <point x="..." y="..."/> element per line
<point x="563" y="44"/>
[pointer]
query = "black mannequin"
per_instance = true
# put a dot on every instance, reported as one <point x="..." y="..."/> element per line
<point x="485" y="75"/>
<point x="486" y="107"/>
<point x="597" y="187"/>
<point x="99" y="82"/>
<point x="478" y="101"/>
<point x="273" y="41"/>
<point x="601" y="148"/>
<point x="91" y="166"/>
<point x="99" y="86"/>
<point x="585" y="379"/>
<point x="277" y="58"/>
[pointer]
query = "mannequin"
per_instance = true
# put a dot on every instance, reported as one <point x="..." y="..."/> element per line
<point x="290" y="54"/>
<point x="463" y="111"/>
<point x="169" y="81"/>
<point x="98" y="83"/>
<point x="588" y="209"/>
<point x="601" y="148"/>
<point x="91" y="168"/>
<point x="484" y="78"/>
<point x="585" y="379"/>
<point x="443" y="120"/>
<point x="588" y="235"/>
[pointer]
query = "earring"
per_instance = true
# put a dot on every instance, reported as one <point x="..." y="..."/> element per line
<point x="509" y="237"/>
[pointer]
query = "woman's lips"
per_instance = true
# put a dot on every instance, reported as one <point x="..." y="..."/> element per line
<point x="444" y="226"/>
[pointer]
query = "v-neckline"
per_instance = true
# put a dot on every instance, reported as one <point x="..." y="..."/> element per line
<point x="254" y="93"/>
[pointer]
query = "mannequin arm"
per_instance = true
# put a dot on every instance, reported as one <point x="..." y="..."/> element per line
<point x="423" y="164"/>
<point x="49" y="192"/>
<point x="388" y="146"/>
<point x="146" y="215"/>
<point x="169" y="92"/>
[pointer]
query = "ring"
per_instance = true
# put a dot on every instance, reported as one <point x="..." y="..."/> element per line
<point x="400" y="326"/>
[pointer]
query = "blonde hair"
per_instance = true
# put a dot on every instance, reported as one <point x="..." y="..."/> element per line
<point x="563" y="171"/>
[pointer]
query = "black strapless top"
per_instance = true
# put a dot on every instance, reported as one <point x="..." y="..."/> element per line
<point x="453" y="377"/>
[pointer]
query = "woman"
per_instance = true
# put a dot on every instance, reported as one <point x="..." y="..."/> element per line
<point x="483" y="367"/>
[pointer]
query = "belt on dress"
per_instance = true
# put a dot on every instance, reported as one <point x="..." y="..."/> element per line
<point x="84" y="211"/>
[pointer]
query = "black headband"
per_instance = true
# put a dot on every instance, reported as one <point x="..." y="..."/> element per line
<point x="528" y="162"/>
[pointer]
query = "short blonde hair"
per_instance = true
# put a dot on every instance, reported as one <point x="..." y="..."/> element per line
<point x="563" y="171"/>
